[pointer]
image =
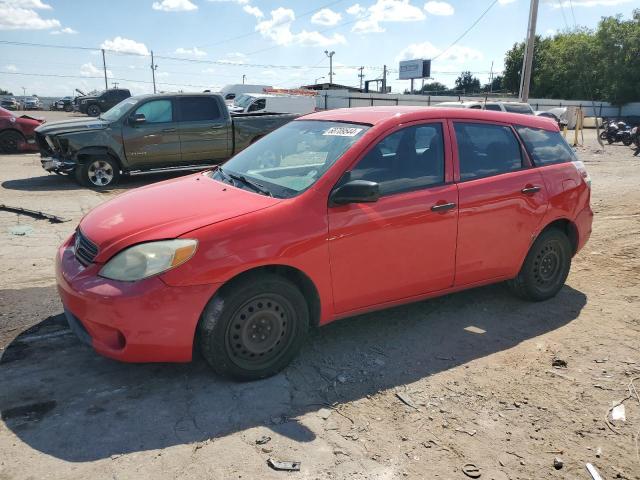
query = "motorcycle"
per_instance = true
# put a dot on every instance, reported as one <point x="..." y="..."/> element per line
<point x="635" y="135"/>
<point x="617" y="132"/>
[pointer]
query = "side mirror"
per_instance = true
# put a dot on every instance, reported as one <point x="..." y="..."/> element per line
<point x="355" y="191"/>
<point x="137" y="119"/>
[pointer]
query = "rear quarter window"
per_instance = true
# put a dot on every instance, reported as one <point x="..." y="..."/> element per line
<point x="545" y="147"/>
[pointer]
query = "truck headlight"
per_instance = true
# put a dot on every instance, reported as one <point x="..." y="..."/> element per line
<point x="148" y="259"/>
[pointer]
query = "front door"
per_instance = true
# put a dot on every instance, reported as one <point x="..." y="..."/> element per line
<point x="154" y="142"/>
<point x="502" y="201"/>
<point x="404" y="244"/>
<point x="204" y="130"/>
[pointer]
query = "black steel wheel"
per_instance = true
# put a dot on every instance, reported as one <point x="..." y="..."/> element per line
<point x="254" y="327"/>
<point x="93" y="110"/>
<point x="10" y="141"/>
<point x="546" y="267"/>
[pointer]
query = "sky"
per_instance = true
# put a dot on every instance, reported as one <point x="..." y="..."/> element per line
<point x="206" y="44"/>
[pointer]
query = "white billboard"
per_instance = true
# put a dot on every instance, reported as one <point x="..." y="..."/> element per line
<point x="415" y="69"/>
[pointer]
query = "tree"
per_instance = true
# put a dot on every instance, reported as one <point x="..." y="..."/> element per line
<point x="496" y="84"/>
<point x="468" y="83"/>
<point x="5" y="92"/>
<point x="434" y="88"/>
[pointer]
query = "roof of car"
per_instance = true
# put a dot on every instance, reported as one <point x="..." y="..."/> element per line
<point x="404" y="114"/>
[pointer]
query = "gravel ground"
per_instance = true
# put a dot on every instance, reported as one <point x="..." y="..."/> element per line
<point x="412" y="392"/>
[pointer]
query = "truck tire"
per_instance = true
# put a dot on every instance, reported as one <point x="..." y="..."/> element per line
<point x="10" y="141"/>
<point x="98" y="172"/>
<point x="546" y="267"/>
<point x="93" y="110"/>
<point x="254" y="327"/>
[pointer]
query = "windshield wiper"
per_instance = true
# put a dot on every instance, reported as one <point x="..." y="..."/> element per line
<point x="256" y="187"/>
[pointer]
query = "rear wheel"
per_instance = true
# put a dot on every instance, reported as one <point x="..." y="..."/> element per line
<point x="98" y="172"/>
<point x="10" y="141"/>
<point x="254" y="328"/>
<point x="546" y="267"/>
<point x="93" y="110"/>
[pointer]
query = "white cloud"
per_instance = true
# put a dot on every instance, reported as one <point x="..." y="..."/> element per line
<point x="255" y="11"/>
<point x="174" y="6"/>
<point x="234" y="58"/>
<point x="11" y="68"/>
<point x="278" y="29"/>
<point x="125" y="45"/>
<point x="439" y="8"/>
<point x="162" y="74"/>
<point x="66" y="30"/>
<point x="586" y="3"/>
<point x="239" y="2"/>
<point x="384" y="11"/>
<point x="90" y="70"/>
<point x="14" y="16"/>
<point x="326" y="16"/>
<point x="457" y="54"/>
<point x="355" y="9"/>
<point x="505" y="2"/>
<point x="192" y="52"/>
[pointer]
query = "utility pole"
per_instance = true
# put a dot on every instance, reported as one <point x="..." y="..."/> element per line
<point x="104" y="67"/>
<point x="330" y="55"/>
<point x="243" y="78"/>
<point x="154" y="67"/>
<point x="527" y="62"/>
<point x="361" y="76"/>
<point x="384" y="79"/>
<point x="491" y="78"/>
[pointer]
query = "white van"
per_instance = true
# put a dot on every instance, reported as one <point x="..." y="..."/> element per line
<point x="273" y="103"/>
<point x="230" y="92"/>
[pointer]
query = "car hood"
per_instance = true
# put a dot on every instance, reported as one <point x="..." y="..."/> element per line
<point x="74" y="125"/>
<point x="166" y="210"/>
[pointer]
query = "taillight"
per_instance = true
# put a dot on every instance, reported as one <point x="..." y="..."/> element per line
<point x="582" y="170"/>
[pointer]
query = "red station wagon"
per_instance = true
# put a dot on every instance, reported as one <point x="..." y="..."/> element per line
<point x="334" y="214"/>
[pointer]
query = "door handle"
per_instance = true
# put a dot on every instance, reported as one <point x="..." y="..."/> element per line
<point x="168" y="130"/>
<point x="530" y="190"/>
<point x="443" y="207"/>
<point x="216" y="125"/>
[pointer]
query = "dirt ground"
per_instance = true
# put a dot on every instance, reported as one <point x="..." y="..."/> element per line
<point x="413" y="392"/>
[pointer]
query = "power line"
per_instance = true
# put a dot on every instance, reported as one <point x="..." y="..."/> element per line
<point x="573" y="15"/>
<point x="467" y="30"/>
<point x="564" y="17"/>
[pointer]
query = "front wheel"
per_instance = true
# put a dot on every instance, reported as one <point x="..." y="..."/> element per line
<point x="93" y="110"/>
<point x="10" y="141"/>
<point x="546" y="267"/>
<point x="603" y="135"/>
<point x="98" y="172"/>
<point x="254" y="328"/>
<point x="627" y="141"/>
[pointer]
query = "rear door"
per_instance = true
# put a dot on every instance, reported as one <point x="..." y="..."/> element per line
<point x="155" y="142"/>
<point x="205" y="131"/>
<point x="502" y="199"/>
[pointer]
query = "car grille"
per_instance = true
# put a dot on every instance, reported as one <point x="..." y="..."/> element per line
<point x="85" y="249"/>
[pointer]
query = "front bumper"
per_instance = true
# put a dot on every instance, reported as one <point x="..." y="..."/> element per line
<point x="53" y="164"/>
<point x="144" y="321"/>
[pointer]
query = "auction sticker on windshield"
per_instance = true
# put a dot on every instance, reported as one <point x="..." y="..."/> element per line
<point x="343" y="131"/>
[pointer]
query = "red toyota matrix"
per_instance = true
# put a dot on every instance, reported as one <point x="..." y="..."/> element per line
<point x="334" y="214"/>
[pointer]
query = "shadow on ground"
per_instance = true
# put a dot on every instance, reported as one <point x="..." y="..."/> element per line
<point x="56" y="183"/>
<point x="62" y="399"/>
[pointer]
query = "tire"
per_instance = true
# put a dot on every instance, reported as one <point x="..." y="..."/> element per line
<point x="603" y="135"/>
<point x="93" y="110"/>
<point x="99" y="173"/>
<point x="610" y="140"/>
<point x="265" y="305"/>
<point x="10" y="141"/>
<point x="546" y="267"/>
<point x="627" y="141"/>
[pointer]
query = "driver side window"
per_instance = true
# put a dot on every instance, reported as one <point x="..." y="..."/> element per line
<point x="157" y="111"/>
<point x="409" y="159"/>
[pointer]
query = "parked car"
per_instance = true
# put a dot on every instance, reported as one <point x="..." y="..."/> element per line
<point x="461" y="104"/>
<point x="10" y="103"/>
<point x="230" y="92"/>
<point x="272" y="103"/>
<point x="65" y="103"/>
<point x="150" y="133"/>
<point x="510" y="107"/>
<point x="17" y="132"/>
<point x="31" y="103"/>
<point x="95" y="105"/>
<point x="554" y="116"/>
<point x="334" y="214"/>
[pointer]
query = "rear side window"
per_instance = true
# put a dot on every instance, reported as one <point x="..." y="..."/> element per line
<point x="485" y="150"/>
<point x="545" y="147"/>
<point x="516" y="108"/>
<point x="196" y="109"/>
<point x="490" y="106"/>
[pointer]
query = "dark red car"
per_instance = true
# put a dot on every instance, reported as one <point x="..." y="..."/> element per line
<point x="16" y="132"/>
<point x="334" y="214"/>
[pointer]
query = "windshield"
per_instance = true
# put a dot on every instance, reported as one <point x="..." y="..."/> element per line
<point x="243" y="101"/>
<point x="115" y="113"/>
<point x="293" y="157"/>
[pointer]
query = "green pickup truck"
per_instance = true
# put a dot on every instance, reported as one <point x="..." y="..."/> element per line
<point x="150" y="133"/>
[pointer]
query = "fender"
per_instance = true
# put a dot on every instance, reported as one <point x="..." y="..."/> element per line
<point x="85" y="153"/>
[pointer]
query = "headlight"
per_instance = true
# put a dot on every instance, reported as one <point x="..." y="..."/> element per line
<point x="148" y="259"/>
